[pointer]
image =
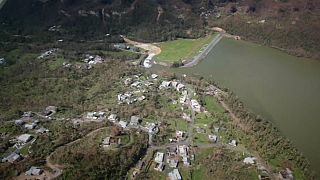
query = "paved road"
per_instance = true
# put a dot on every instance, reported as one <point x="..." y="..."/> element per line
<point x="205" y="52"/>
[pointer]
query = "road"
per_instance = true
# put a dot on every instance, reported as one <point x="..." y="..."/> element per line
<point x="205" y="52"/>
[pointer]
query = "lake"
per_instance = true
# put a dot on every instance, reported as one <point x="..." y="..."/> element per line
<point x="281" y="88"/>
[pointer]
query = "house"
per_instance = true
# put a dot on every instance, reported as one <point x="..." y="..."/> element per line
<point x="106" y="142"/>
<point x="152" y="128"/>
<point x="233" y="143"/>
<point x="173" y="163"/>
<point x="180" y="87"/>
<point x="2" y="61"/>
<point x="174" y="84"/>
<point x="195" y="105"/>
<point x="42" y="130"/>
<point x="123" y="124"/>
<point x="24" y="138"/>
<point x="174" y="175"/>
<point x="34" y="171"/>
<point x="27" y="114"/>
<point x="30" y="126"/>
<point x="147" y="61"/>
<point x="165" y="84"/>
<point x="135" y="121"/>
<point x="186" y="161"/>
<point x="92" y="115"/>
<point x="50" y="110"/>
<point x="179" y="134"/>
<point x="159" y="158"/>
<point x="13" y="157"/>
<point x="19" y="122"/>
<point x="183" y="150"/>
<point x="141" y="98"/>
<point x="154" y="76"/>
<point x="213" y="138"/>
<point x="113" y="118"/>
<point x="159" y="167"/>
<point x="249" y="160"/>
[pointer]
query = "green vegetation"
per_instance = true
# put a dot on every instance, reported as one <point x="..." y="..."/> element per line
<point x="182" y="49"/>
<point x="212" y="105"/>
<point x="221" y="163"/>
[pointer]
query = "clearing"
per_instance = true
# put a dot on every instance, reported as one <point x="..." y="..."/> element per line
<point x="182" y="49"/>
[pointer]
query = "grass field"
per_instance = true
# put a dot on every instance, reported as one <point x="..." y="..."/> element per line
<point x="181" y="49"/>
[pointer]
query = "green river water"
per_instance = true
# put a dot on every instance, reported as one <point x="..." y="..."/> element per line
<point x="282" y="88"/>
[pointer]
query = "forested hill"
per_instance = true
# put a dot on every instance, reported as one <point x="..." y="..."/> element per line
<point x="292" y="25"/>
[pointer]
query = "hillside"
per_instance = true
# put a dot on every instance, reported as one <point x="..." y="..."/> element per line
<point x="290" y="25"/>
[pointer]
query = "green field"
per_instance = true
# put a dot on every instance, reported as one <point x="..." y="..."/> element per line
<point x="181" y="49"/>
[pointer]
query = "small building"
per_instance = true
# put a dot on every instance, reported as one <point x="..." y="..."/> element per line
<point x="174" y="175"/>
<point x="174" y="84"/>
<point x="233" y="143"/>
<point x="165" y="84"/>
<point x="186" y="161"/>
<point x="213" y="138"/>
<point x="195" y="105"/>
<point x="135" y="121"/>
<point x="24" y="138"/>
<point x="30" y="126"/>
<point x="13" y="157"/>
<point x="179" y="134"/>
<point x="152" y="128"/>
<point x="42" y="130"/>
<point x="249" y="160"/>
<point x="159" y="158"/>
<point x="159" y="167"/>
<point x="27" y="114"/>
<point x="180" y="87"/>
<point x="34" y="171"/>
<point x="113" y="118"/>
<point x="19" y="122"/>
<point x="123" y="124"/>
<point x="106" y="142"/>
<point x="154" y="76"/>
<point x="50" y="110"/>
<point x="183" y="150"/>
<point x="172" y="162"/>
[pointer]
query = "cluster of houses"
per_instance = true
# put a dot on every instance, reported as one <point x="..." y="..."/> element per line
<point x="171" y="159"/>
<point x="91" y="60"/>
<point x="48" y="53"/>
<point x="195" y="105"/>
<point x="20" y="142"/>
<point x="138" y="86"/>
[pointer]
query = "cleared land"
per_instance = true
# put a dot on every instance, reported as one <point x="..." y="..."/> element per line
<point x="182" y="49"/>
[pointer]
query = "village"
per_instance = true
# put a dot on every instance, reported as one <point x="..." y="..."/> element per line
<point x="183" y="125"/>
<point x="168" y="155"/>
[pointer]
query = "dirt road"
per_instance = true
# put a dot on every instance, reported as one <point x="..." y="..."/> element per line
<point x="150" y="48"/>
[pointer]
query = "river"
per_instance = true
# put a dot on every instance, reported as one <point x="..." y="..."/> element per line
<point x="282" y="88"/>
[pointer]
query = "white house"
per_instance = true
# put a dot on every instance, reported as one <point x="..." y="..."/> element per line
<point x="159" y="158"/>
<point x="24" y="138"/>
<point x="174" y="175"/>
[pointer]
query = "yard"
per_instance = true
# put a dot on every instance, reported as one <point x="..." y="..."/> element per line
<point x="181" y="49"/>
